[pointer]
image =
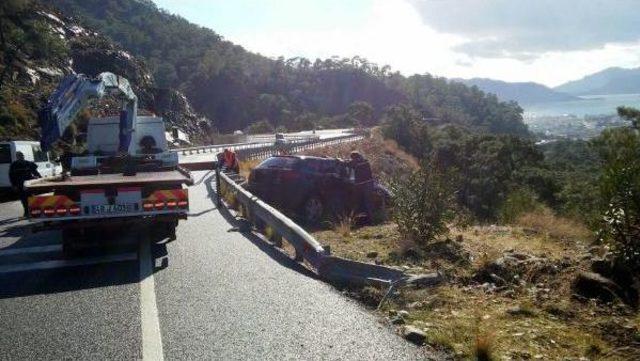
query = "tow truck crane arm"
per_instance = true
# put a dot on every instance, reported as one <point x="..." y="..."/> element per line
<point x="74" y="93"/>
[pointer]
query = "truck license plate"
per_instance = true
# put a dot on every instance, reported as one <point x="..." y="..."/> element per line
<point x="112" y="208"/>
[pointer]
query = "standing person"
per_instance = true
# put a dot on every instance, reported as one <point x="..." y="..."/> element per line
<point x="20" y="171"/>
<point x="363" y="180"/>
<point x="231" y="161"/>
<point x="220" y="159"/>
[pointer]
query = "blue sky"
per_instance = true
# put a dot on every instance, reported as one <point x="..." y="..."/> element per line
<point x="547" y="41"/>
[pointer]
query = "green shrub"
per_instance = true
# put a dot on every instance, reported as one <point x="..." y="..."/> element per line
<point x="261" y="127"/>
<point x="518" y="202"/>
<point x="620" y="190"/>
<point x="423" y="204"/>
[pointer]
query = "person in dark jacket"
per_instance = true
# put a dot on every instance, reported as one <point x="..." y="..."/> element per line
<point x="20" y="171"/>
<point x="363" y="180"/>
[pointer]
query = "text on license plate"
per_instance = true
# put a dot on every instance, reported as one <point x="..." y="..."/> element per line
<point x="112" y="208"/>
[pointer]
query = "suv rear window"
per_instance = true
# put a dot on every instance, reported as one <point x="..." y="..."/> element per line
<point x="5" y="153"/>
<point x="279" y="163"/>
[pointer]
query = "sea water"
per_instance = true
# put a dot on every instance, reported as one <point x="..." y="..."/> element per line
<point x="587" y="105"/>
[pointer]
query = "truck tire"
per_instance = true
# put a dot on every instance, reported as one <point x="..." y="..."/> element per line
<point x="164" y="230"/>
<point x="171" y="230"/>
<point x="70" y="242"/>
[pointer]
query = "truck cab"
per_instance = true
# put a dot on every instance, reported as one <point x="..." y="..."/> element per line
<point x="32" y="152"/>
<point x="148" y="142"/>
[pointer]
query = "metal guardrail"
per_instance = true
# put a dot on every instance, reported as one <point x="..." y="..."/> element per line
<point x="294" y="144"/>
<point x="293" y="147"/>
<point x="278" y="227"/>
<point x="216" y="148"/>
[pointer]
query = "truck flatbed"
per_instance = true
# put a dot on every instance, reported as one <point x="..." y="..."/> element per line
<point x="100" y="180"/>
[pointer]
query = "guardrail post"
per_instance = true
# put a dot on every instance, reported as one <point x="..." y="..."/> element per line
<point x="218" y="193"/>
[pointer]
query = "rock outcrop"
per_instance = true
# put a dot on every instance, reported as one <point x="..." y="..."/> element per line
<point x="30" y="82"/>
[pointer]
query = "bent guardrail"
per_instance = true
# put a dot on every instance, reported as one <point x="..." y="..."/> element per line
<point x="277" y="227"/>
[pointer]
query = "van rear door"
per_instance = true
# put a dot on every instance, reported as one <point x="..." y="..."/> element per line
<point x="41" y="159"/>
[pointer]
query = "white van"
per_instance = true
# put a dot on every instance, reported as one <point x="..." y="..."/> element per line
<point x="32" y="152"/>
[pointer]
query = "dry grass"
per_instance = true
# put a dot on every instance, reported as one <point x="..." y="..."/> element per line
<point x="247" y="165"/>
<point x="468" y="322"/>
<point x="546" y="223"/>
<point x="360" y="241"/>
<point x="486" y="243"/>
<point x="345" y="224"/>
<point x="483" y="349"/>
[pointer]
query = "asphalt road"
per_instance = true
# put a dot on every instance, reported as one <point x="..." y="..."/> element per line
<point x="211" y="294"/>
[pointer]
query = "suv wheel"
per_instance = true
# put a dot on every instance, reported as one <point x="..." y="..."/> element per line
<point x="313" y="210"/>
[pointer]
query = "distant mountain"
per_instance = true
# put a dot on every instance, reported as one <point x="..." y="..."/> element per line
<point x="607" y="81"/>
<point x="523" y="93"/>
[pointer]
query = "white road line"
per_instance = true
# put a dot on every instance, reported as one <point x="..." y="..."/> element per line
<point x="151" y="336"/>
<point x="27" y="250"/>
<point x="44" y="265"/>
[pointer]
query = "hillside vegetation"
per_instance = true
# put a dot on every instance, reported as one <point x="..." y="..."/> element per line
<point x="235" y="87"/>
<point x="165" y="57"/>
<point x="40" y="45"/>
<point x="524" y="275"/>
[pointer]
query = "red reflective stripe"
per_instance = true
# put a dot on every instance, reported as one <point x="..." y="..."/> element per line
<point x="36" y="202"/>
<point x="160" y="196"/>
<point x="180" y="194"/>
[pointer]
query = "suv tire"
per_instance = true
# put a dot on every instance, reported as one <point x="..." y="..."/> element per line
<point x="313" y="210"/>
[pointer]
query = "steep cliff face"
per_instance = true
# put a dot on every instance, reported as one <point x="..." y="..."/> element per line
<point x="28" y="78"/>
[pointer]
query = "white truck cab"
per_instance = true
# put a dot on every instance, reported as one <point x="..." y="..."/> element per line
<point x="32" y="152"/>
<point x="103" y="138"/>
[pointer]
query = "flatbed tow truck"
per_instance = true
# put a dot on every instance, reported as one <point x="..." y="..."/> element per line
<point x="127" y="175"/>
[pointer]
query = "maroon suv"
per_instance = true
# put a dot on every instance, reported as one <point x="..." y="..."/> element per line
<point x="310" y="188"/>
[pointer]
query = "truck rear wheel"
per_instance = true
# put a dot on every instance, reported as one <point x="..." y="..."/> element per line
<point x="171" y="230"/>
<point x="164" y="230"/>
<point x="71" y="239"/>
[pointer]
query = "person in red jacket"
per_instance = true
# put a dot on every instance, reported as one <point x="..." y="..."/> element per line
<point x="231" y="161"/>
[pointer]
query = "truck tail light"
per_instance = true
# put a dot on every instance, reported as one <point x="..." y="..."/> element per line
<point x="159" y="205"/>
<point x="147" y="206"/>
<point x="183" y="204"/>
<point x="55" y="205"/>
<point x="172" y="204"/>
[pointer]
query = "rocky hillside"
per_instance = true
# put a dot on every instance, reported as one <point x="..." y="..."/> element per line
<point x="41" y="45"/>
